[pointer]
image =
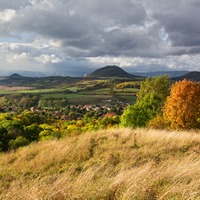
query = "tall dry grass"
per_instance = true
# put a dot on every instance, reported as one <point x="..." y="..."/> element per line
<point x="112" y="164"/>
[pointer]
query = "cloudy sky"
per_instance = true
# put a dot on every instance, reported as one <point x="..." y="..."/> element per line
<point x="73" y="37"/>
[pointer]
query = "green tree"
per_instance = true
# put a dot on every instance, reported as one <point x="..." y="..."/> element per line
<point x="27" y="118"/>
<point x="13" y="127"/>
<point x="31" y="132"/>
<point x="158" y="85"/>
<point x="151" y="97"/>
<point x="141" y="112"/>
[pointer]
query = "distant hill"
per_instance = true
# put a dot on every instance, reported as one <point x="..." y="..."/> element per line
<point x="160" y="73"/>
<point x="15" y="75"/>
<point x="193" y="76"/>
<point x="38" y="82"/>
<point x="111" y="71"/>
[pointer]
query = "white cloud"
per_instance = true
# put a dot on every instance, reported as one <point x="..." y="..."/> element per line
<point x="22" y="56"/>
<point x="14" y="58"/>
<point x="7" y="15"/>
<point x="119" y="61"/>
<point x="44" y="58"/>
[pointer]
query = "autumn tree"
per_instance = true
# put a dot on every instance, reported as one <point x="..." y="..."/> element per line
<point x="182" y="107"/>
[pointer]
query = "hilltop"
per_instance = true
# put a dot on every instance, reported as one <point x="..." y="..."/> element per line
<point x="112" y="71"/>
<point x="108" y="164"/>
<point x="15" y="75"/>
<point x="193" y="76"/>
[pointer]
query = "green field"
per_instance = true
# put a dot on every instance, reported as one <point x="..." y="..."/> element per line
<point x="90" y="99"/>
<point x="80" y="91"/>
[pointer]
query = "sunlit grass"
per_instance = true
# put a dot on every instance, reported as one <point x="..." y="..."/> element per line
<point x="108" y="164"/>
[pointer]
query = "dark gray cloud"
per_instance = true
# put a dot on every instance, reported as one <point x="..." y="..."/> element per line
<point x="13" y="4"/>
<point x="83" y="26"/>
<point x="181" y="22"/>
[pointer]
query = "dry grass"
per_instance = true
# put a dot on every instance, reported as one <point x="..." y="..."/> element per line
<point x="14" y="88"/>
<point x="113" y="164"/>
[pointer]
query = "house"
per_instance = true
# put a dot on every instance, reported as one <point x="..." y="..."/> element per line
<point x="111" y="114"/>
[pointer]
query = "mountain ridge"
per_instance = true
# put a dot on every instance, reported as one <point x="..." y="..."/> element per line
<point x="160" y="73"/>
<point x="193" y="76"/>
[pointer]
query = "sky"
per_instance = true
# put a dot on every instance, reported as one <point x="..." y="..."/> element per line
<point x="74" y="37"/>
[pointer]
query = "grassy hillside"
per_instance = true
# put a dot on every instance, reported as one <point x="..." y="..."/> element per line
<point x="108" y="164"/>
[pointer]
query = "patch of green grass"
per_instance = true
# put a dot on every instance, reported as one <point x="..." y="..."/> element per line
<point x="43" y="91"/>
<point x="92" y="98"/>
<point x="128" y="98"/>
<point x="127" y="90"/>
<point x="58" y="95"/>
<point x="74" y="88"/>
<point x="102" y="91"/>
<point x="2" y="92"/>
<point x="86" y="99"/>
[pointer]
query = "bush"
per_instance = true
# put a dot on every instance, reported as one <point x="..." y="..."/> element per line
<point x="157" y="122"/>
<point x="32" y="132"/>
<point x="18" y="142"/>
<point x="49" y="134"/>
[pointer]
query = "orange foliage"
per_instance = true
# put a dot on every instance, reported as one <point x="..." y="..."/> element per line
<point x="182" y="107"/>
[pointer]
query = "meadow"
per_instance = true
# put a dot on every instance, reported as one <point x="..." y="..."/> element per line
<point x="107" y="164"/>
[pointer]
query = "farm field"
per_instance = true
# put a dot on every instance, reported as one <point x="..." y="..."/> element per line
<point x="80" y="91"/>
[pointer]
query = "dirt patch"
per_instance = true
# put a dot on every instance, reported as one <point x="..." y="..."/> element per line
<point x="14" y="88"/>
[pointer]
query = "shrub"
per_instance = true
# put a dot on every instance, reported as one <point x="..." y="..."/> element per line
<point x="157" y="122"/>
<point x="49" y="134"/>
<point x="18" y="142"/>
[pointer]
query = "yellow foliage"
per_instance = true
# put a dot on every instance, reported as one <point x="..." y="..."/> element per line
<point x="182" y="107"/>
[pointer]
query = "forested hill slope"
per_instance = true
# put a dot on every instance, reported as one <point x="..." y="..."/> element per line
<point x="108" y="164"/>
<point x="193" y="76"/>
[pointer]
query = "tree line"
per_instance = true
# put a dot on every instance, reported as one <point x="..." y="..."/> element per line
<point x="161" y="104"/>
